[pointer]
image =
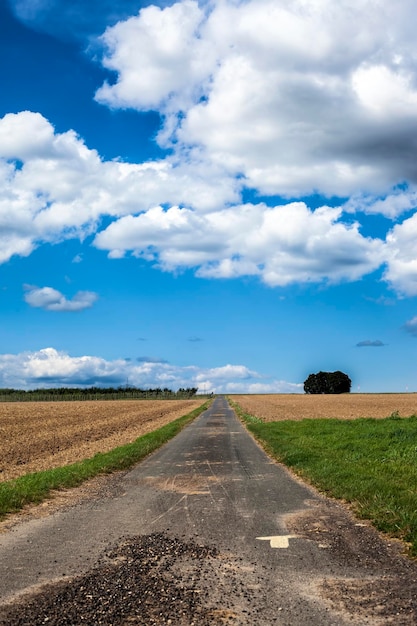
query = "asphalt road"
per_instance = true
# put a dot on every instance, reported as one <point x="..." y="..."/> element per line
<point x="224" y="534"/>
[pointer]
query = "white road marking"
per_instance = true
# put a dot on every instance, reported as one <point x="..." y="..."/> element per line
<point x="278" y="541"/>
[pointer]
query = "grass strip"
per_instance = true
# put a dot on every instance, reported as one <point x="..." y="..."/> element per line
<point x="370" y="463"/>
<point x="37" y="486"/>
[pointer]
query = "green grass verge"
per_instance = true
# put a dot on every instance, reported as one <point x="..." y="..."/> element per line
<point x="370" y="463"/>
<point x="35" y="487"/>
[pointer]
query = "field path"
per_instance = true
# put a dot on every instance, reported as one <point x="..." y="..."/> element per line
<point x="208" y="530"/>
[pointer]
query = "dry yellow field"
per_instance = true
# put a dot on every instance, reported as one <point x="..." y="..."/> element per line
<point x="41" y="435"/>
<point x="276" y="407"/>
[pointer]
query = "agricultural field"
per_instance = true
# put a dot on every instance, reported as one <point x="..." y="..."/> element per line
<point x="36" y="436"/>
<point x="278" y="407"/>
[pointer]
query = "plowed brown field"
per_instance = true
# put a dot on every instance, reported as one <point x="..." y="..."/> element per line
<point x="276" y="407"/>
<point x="41" y="435"/>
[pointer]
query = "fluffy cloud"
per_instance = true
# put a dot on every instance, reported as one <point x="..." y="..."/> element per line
<point x="296" y="97"/>
<point x="52" y="300"/>
<point x="49" y="368"/>
<point x="281" y="244"/>
<point x="53" y="187"/>
<point x="411" y="326"/>
<point x="282" y="98"/>
<point x="157" y="54"/>
<point x="401" y="257"/>
<point x="391" y="206"/>
<point x="227" y="372"/>
<point x="276" y="386"/>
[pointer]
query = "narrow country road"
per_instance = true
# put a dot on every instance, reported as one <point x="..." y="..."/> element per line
<point x="208" y="530"/>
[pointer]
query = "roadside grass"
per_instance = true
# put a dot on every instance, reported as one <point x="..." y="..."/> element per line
<point x="369" y="463"/>
<point x="35" y="487"/>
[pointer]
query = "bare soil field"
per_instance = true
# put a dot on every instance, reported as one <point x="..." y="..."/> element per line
<point x="36" y="436"/>
<point x="277" y="407"/>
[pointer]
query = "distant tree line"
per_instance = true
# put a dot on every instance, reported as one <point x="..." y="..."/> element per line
<point x="328" y="382"/>
<point x="95" y="393"/>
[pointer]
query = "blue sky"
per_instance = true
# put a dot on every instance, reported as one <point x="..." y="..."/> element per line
<point x="219" y="194"/>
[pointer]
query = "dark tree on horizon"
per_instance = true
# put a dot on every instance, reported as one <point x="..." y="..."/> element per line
<point x="327" y="382"/>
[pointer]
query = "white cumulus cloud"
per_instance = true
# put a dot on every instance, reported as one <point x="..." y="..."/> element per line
<point x="51" y="299"/>
<point x="281" y="99"/>
<point x="171" y="38"/>
<point x="411" y="326"/>
<point x="52" y="368"/>
<point x="401" y="255"/>
<point x="391" y="206"/>
<point x="276" y="386"/>
<point x="53" y="187"/>
<point x="227" y="372"/>
<point x="297" y="97"/>
<point x="281" y="244"/>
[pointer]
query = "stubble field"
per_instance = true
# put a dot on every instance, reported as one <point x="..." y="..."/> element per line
<point x="278" y="407"/>
<point x="35" y="436"/>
